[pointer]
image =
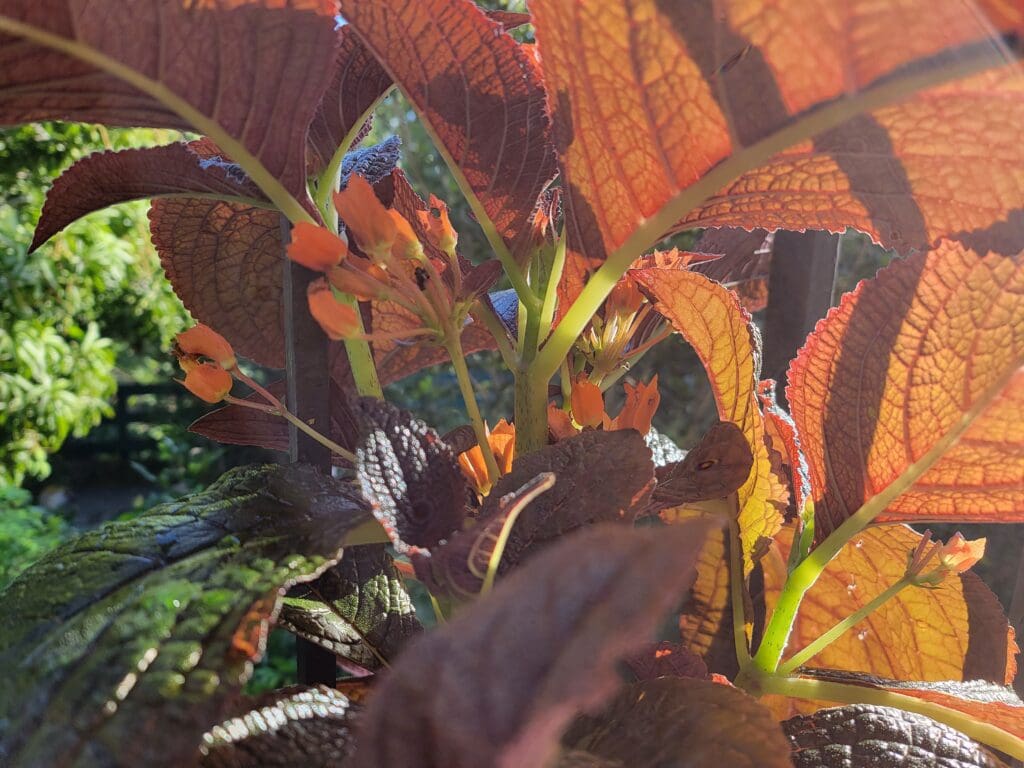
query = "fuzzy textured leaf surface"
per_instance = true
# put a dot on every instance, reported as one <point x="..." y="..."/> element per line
<point x="682" y="722"/>
<point x="919" y="369"/>
<point x="124" y="645"/>
<point x="358" y="609"/>
<point x="409" y="476"/>
<point x="880" y="737"/>
<point x="666" y="659"/>
<point x="239" y="65"/>
<point x="108" y="178"/>
<point x="995" y="706"/>
<point x="474" y="692"/>
<point x="711" y="319"/>
<point x="955" y="632"/>
<point x="657" y="105"/>
<point x="308" y="728"/>
<point x="226" y="262"/>
<point x="477" y="90"/>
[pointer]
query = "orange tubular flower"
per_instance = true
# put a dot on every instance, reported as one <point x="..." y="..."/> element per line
<point x="207" y="381"/>
<point x="502" y="442"/>
<point x="338" y="320"/>
<point x="366" y="284"/>
<point x="625" y="298"/>
<point x="316" y="248"/>
<point x="203" y="341"/>
<point x="366" y="217"/>
<point x="958" y="554"/>
<point x="560" y="423"/>
<point x="440" y="232"/>
<point x="587" y="403"/>
<point x="407" y="245"/>
<point x="638" y="411"/>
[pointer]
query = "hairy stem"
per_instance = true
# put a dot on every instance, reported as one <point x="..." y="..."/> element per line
<point x="739" y="619"/>
<point x="827" y="638"/>
<point x="482" y="311"/>
<point x="277" y="409"/>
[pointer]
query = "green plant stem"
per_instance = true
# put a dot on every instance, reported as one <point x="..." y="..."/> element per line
<point x="360" y="356"/>
<point x="803" y="576"/>
<point x="843" y="693"/>
<point x="278" y="409"/>
<point x="547" y="311"/>
<point x="739" y="619"/>
<point x="827" y="638"/>
<point x="531" y="416"/>
<point x="454" y="346"/>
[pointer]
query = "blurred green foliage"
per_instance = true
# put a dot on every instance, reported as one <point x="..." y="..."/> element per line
<point x="88" y="308"/>
<point x="26" y="532"/>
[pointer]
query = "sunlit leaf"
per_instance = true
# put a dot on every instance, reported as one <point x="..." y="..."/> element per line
<point x="126" y="644"/>
<point x="955" y="632"/>
<point x="673" y="721"/>
<point x="478" y="91"/>
<point x="658" y="106"/>
<point x="474" y="693"/>
<point x="710" y="318"/>
<point x="864" y="734"/>
<point x="909" y="394"/>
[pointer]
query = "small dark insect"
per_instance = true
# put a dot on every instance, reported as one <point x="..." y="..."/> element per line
<point x="421" y="278"/>
<point x="733" y="60"/>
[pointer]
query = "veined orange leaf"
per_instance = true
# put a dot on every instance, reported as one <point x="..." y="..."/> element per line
<point x="711" y="319"/>
<point x="955" y="632"/>
<point x="658" y="106"/>
<point x="908" y="396"/>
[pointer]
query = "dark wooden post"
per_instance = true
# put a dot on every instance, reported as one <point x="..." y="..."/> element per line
<point x="308" y="378"/>
<point x="800" y="283"/>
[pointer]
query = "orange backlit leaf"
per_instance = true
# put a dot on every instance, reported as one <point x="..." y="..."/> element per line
<point x="478" y="91"/>
<point x="955" y="632"/>
<point x="658" y="106"/>
<point x="710" y="318"/>
<point x="909" y="394"/>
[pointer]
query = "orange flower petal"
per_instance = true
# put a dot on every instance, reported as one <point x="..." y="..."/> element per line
<point x="641" y="404"/>
<point x="560" y="423"/>
<point x="208" y="382"/>
<point x="365" y="216"/>
<point x="587" y="403"/>
<point x="366" y="285"/>
<point x="440" y="232"/>
<point x="407" y="245"/>
<point x="202" y="341"/>
<point x="625" y="298"/>
<point x="338" y="320"/>
<point x="959" y="554"/>
<point x="316" y="247"/>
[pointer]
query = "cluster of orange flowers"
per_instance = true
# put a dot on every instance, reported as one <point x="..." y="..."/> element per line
<point x="208" y="362"/>
<point x="395" y="267"/>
